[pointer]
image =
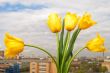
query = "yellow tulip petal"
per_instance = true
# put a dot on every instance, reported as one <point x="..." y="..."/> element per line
<point x="98" y="49"/>
<point x="13" y="44"/>
<point x="54" y="22"/>
<point x="8" y="36"/>
<point x="8" y="54"/>
<point x="70" y="21"/>
<point x="86" y="21"/>
<point x="96" y="44"/>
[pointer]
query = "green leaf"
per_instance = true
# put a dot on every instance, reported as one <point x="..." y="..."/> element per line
<point x="65" y="51"/>
<point x="66" y="41"/>
<point x="71" y="44"/>
<point x="61" y="43"/>
<point x="72" y="58"/>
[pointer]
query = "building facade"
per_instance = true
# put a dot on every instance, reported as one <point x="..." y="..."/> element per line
<point x="106" y="63"/>
<point x="42" y="67"/>
<point x="1" y="54"/>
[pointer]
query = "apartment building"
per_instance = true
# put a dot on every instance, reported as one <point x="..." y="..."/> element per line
<point x="43" y="67"/>
<point x="106" y="63"/>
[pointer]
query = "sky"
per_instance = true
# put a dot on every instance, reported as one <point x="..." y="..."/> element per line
<point x="27" y="19"/>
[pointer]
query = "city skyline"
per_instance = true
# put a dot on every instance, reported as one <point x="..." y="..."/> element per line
<point x="27" y="19"/>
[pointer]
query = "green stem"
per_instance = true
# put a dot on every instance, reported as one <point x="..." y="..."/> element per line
<point x="42" y="49"/>
<point x="66" y="42"/>
<point x="74" y="55"/>
<point x="58" y="52"/>
<point x="65" y="49"/>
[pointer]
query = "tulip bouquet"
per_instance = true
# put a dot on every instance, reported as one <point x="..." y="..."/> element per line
<point x="65" y="40"/>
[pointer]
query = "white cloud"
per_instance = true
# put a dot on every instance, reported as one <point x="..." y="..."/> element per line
<point x="29" y="25"/>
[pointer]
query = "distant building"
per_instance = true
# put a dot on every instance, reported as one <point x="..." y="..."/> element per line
<point x="101" y="59"/>
<point x="106" y="63"/>
<point x="1" y="54"/>
<point x="13" y="69"/>
<point x="3" y="67"/>
<point x="33" y="67"/>
<point x="44" y="66"/>
<point x="107" y="57"/>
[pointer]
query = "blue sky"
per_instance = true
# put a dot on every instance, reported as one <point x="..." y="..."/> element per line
<point x="27" y="19"/>
<point x="9" y="7"/>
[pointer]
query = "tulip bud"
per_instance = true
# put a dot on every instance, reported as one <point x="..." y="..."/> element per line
<point x="70" y="21"/>
<point x="54" y="22"/>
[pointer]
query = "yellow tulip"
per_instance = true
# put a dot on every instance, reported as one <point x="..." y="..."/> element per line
<point x="14" y="45"/>
<point x="54" y="23"/>
<point x="8" y="54"/>
<point x="96" y="44"/>
<point x="86" y="21"/>
<point x="70" y="21"/>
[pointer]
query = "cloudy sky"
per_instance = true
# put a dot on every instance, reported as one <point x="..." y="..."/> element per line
<point x="27" y="20"/>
